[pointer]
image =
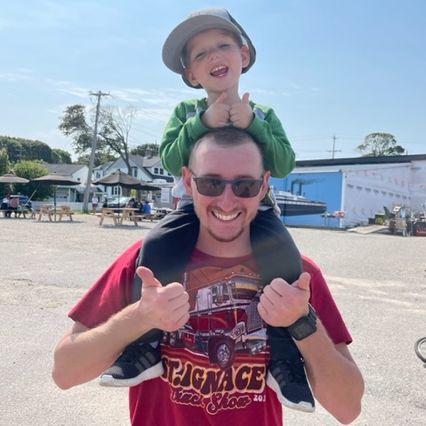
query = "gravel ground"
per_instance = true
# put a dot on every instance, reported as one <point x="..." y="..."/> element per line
<point x="378" y="281"/>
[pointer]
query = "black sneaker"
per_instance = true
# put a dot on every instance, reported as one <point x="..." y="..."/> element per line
<point x="288" y="381"/>
<point x="138" y="362"/>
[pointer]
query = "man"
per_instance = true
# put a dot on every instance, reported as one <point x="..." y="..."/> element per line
<point x="214" y="351"/>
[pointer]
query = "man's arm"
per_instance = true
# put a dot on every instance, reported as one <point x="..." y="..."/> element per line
<point x="336" y="380"/>
<point x="83" y="354"/>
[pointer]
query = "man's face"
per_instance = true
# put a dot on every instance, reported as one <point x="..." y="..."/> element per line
<point x="225" y="218"/>
<point x="215" y="61"/>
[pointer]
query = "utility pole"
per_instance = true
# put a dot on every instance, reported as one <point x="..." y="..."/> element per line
<point x="334" y="148"/>
<point x="99" y="95"/>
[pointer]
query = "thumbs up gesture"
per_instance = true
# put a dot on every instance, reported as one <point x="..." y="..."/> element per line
<point x="217" y="114"/>
<point x="282" y="304"/>
<point x="167" y="307"/>
<point x="241" y="113"/>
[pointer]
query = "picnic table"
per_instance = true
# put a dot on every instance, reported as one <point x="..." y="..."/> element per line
<point x="49" y="211"/>
<point x="119" y="215"/>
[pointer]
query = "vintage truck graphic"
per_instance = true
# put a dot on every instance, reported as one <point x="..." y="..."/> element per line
<point x="223" y="320"/>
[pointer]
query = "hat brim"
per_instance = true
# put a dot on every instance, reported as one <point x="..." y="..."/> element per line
<point x="179" y="37"/>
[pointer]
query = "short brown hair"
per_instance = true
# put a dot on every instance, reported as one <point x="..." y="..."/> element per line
<point x="226" y="137"/>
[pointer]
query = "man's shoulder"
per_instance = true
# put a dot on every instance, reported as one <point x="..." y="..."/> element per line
<point x="308" y="265"/>
<point x="129" y="256"/>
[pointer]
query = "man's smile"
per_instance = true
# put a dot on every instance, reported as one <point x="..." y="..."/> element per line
<point x="225" y="217"/>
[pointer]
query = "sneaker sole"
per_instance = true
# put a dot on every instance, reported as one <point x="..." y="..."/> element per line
<point x="304" y="406"/>
<point x="151" y="373"/>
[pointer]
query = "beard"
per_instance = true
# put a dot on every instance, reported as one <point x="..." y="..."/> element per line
<point x="227" y="239"/>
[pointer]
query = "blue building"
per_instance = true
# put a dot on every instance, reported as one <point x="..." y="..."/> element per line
<point x="359" y="187"/>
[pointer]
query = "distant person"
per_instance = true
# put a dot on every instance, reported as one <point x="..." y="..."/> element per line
<point x="13" y="205"/>
<point x="5" y="202"/>
<point x="147" y="207"/>
<point x="131" y="203"/>
<point x="95" y="202"/>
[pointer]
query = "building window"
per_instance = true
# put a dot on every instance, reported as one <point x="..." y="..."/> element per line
<point x="155" y="170"/>
<point x="161" y="172"/>
<point x="134" y="171"/>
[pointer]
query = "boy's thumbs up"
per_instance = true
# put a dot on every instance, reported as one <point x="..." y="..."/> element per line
<point x="246" y="98"/>
<point x="147" y="277"/>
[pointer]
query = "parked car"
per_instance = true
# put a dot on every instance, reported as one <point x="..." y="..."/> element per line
<point x="118" y="202"/>
<point x="160" y="212"/>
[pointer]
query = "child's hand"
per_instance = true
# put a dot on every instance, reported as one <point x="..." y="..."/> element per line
<point x="217" y="114"/>
<point x="241" y="114"/>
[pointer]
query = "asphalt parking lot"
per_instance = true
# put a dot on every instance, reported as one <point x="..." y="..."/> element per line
<point x="378" y="281"/>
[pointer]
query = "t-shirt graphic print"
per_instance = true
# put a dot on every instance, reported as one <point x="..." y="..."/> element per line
<point x="218" y="360"/>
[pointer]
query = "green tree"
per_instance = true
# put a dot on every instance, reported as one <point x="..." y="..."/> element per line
<point x="4" y="161"/>
<point x="4" y="168"/>
<point x="61" y="156"/>
<point x="25" y="149"/>
<point x="146" y="149"/>
<point x="379" y="144"/>
<point x="32" y="170"/>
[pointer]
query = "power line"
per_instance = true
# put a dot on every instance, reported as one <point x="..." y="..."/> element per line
<point x="334" y="150"/>
<point x="99" y="95"/>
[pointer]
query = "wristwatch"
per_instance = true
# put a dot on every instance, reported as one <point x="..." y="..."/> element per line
<point x="304" y="326"/>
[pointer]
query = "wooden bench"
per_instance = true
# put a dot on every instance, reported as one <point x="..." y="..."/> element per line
<point x="65" y="211"/>
<point x="108" y="213"/>
<point x="44" y="211"/>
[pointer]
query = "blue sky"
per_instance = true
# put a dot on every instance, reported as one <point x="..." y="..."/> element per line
<point x="326" y="66"/>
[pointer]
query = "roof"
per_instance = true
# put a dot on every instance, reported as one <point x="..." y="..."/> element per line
<point x="103" y="166"/>
<point x="64" y="169"/>
<point x="362" y="160"/>
<point x="145" y="162"/>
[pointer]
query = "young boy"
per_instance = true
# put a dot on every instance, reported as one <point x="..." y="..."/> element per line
<point x="210" y="50"/>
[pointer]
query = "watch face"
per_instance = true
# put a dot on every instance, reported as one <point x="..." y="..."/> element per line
<point x="305" y="326"/>
<point x="304" y="329"/>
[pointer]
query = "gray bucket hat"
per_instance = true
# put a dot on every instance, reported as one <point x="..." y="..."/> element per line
<point x="201" y="20"/>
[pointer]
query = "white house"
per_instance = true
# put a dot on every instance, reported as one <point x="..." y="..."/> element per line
<point x="147" y="169"/>
<point x="75" y="171"/>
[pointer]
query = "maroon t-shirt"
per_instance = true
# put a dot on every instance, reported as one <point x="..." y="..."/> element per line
<point x="215" y="367"/>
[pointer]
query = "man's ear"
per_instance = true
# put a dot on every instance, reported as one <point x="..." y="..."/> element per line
<point x="190" y="77"/>
<point x="265" y="185"/>
<point x="187" y="178"/>
<point x="245" y="55"/>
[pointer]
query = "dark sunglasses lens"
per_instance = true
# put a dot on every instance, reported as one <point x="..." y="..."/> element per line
<point x="246" y="188"/>
<point x="210" y="187"/>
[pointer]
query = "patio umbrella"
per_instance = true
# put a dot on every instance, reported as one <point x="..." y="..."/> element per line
<point x="56" y="179"/>
<point x="12" y="178"/>
<point x="119" y="178"/>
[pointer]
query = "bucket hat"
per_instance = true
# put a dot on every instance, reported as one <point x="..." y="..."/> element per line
<point x="201" y="20"/>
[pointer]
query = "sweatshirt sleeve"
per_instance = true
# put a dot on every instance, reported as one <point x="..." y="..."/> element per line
<point x="179" y="136"/>
<point x="268" y="131"/>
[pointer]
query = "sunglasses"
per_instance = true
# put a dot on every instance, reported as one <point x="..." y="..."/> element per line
<point x="214" y="186"/>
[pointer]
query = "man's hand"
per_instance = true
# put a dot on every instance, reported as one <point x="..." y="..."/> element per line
<point x="282" y="304"/>
<point x="217" y="114"/>
<point x="241" y="114"/>
<point x="166" y="308"/>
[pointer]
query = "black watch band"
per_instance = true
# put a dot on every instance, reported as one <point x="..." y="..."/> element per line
<point x="304" y="326"/>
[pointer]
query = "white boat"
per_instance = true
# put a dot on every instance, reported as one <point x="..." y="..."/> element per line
<point x="296" y="205"/>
